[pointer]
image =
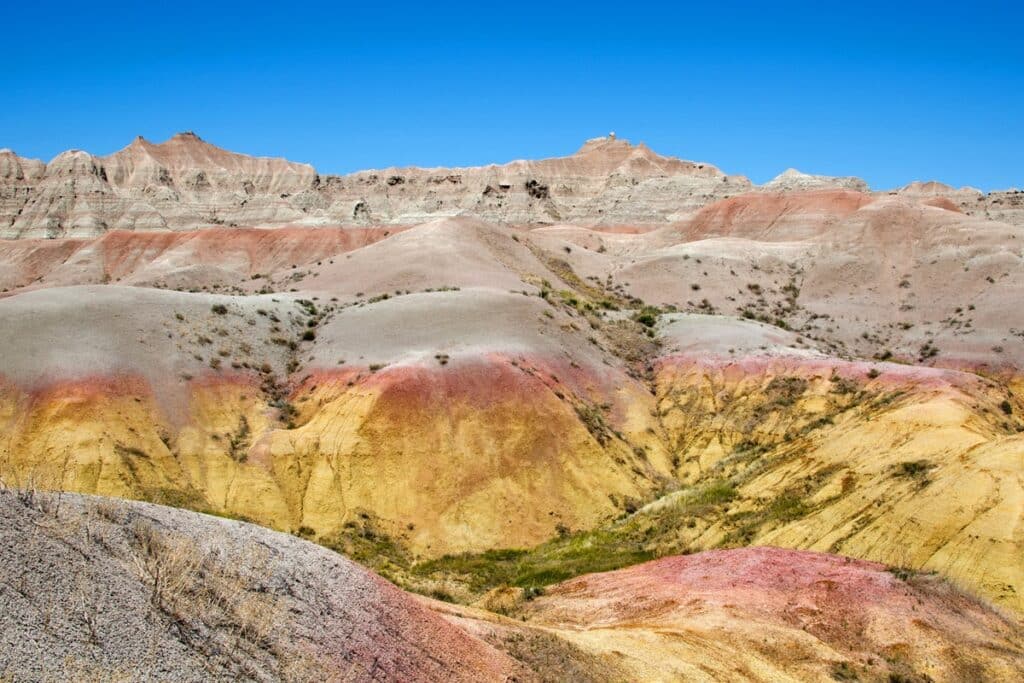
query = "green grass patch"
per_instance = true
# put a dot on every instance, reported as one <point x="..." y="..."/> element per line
<point x="551" y="562"/>
<point x="637" y="538"/>
<point x="786" y="508"/>
<point x="713" y="494"/>
<point x="364" y="541"/>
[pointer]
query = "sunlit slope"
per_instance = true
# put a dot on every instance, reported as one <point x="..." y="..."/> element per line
<point x="399" y="410"/>
<point x="205" y="598"/>
<point x="767" y="614"/>
<point x="914" y="467"/>
<point x="446" y="439"/>
<point x="98" y="589"/>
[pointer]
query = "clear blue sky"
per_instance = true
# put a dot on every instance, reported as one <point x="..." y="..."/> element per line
<point x="890" y="92"/>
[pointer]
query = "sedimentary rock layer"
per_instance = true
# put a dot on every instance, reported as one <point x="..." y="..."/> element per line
<point x="186" y="183"/>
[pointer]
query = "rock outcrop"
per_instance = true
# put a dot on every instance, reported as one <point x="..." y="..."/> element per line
<point x="186" y="183"/>
<point x="792" y="180"/>
<point x="180" y="184"/>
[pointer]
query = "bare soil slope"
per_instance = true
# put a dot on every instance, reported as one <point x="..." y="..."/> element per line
<point x="102" y="589"/>
<point x="99" y="589"/>
<point x="766" y="614"/>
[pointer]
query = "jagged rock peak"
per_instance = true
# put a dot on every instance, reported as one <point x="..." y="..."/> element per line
<point x="618" y="147"/>
<point x="17" y="168"/>
<point x="927" y="187"/>
<point x="792" y="179"/>
<point x="186" y="152"/>
<point x="605" y="142"/>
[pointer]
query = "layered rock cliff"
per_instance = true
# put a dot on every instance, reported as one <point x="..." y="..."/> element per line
<point x="186" y="183"/>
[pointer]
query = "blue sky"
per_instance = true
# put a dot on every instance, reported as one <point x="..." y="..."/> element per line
<point x="890" y="92"/>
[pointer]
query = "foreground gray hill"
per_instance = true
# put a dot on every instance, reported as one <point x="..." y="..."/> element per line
<point x="101" y="589"/>
<point x="98" y="589"/>
<point x="187" y="183"/>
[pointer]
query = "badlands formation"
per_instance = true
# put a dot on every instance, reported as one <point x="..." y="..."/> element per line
<point x="186" y="183"/>
<point x="613" y="416"/>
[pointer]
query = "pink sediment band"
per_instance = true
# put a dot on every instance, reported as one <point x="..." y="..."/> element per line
<point x="765" y="580"/>
<point x="89" y="387"/>
<point x="481" y="379"/>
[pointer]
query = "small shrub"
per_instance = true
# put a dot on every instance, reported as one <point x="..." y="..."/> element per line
<point x="843" y="671"/>
<point x="915" y="469"/>
<point x="238" y="443"/>
<point x="219" y="309"/>
<point x="438" y="593"/>
<point x="901" y="573"/>
<point x="592" y="418"/>
<point x="715" y="493"/>
<point x="786" y="508"/>
<point x="784" y="391"/>
<point x="648" y="316"/>
<point x="123" y="450"/>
